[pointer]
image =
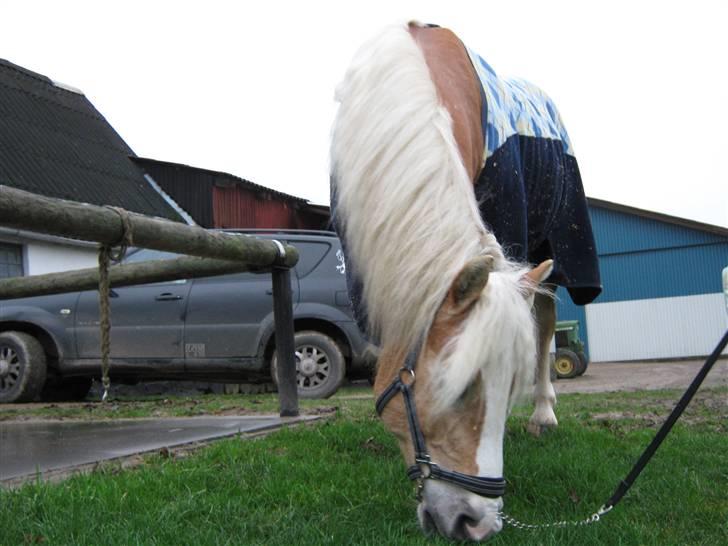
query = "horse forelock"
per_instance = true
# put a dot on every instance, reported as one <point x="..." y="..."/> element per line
<point x="404" y="198"/>
<point x="496" y="340"/>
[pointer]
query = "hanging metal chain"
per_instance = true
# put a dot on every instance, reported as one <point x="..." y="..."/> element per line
<point x="106" y="255"/>
<point x="595" y="517"/>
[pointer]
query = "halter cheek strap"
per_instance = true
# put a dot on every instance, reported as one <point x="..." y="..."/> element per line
<point x="424" y="468"/>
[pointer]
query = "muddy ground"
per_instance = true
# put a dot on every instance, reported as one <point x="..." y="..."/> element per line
<point x="601" y="377"/>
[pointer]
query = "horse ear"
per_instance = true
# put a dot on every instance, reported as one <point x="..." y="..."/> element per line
<point x="470" y="282"/>
<point x="537" y="275"/>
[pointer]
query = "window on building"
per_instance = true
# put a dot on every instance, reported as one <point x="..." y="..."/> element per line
<point x="11" y="260"/>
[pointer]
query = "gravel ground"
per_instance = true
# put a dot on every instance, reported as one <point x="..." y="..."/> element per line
<point x="635" y="376"/>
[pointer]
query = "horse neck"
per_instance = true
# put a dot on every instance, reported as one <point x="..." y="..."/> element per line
<point x="406" y="199"/>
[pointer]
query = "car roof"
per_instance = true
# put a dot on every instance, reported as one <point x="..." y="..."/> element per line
<point x="292" y="234"/>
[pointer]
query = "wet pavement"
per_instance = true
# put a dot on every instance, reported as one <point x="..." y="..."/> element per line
<point x="29" y="447"/>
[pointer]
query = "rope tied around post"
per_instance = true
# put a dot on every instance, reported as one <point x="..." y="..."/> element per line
<point x="107" y="255"/>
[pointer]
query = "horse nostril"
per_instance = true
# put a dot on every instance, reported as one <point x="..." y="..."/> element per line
<point x="462" y="526"/>
<point x="468" y="527"/>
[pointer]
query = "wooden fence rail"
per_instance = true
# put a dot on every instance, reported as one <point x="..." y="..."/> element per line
<point x="119" y="275"/>
<point x="224" y="252"/>
<point x="24" y="210"/>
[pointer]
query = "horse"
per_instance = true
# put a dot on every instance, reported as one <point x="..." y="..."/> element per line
<point x="436" y="164"/>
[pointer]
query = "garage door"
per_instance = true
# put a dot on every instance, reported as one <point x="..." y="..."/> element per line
<point x="656" y="328"/>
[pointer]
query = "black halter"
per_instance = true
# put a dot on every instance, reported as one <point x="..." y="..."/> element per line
<point x="424" y="468"/>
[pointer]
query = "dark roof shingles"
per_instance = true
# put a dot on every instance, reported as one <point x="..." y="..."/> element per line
<point x="55" y="143"/>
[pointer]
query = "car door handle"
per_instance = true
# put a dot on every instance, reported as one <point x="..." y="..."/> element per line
<point x="168" y="296"/>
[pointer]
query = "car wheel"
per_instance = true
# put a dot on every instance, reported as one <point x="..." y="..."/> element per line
<point x="22" y="367"/>
<point x="320" y="366"/>
<point x="566" y="364"/>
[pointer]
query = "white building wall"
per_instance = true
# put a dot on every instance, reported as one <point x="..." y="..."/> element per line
<point x="44" y="257"/>
<point x="656" y="328"/>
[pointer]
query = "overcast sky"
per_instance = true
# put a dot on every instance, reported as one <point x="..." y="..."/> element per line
<point x="247" y="87"/>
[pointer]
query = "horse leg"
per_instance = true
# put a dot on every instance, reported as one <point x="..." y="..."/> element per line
<point x="544" y="396"/>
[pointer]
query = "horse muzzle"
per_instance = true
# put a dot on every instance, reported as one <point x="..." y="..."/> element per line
<point x="457" y="514"/>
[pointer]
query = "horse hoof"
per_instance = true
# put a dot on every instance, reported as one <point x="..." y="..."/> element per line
<point x="537" y="429"/>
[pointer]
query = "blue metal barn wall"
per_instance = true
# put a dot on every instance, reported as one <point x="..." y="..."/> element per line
<point x="662" y="290"/>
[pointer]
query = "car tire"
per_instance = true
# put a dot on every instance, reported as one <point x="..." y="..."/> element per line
<point x="566" y="364"/>
<point x="22" y="367"/>
<point x="320" y="365"/>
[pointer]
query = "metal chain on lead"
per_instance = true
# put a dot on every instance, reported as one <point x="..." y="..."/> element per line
<point x="595" y="517"/>
<point x="106" y="255"/>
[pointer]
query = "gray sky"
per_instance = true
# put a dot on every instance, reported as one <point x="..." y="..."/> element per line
<point x="247" y="87"/>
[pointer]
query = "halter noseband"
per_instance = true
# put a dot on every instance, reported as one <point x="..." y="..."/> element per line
<point x="424" y="468"/>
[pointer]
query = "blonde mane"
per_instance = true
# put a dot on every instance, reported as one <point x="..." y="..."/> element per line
<point x="404" y="199"/>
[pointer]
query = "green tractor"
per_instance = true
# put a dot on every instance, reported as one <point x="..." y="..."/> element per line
<point x="570" y="359"/>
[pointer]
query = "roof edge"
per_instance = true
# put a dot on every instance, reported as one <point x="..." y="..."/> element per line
<point x="41" y="77"/>
<point x="659" y="216"/>
<point x="142" y="160"/>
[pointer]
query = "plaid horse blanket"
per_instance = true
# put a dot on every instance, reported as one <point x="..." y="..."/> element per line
<point x="530" y="192"/>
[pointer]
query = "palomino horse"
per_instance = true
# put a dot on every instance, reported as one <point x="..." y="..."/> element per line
<point x="446" y="182"/>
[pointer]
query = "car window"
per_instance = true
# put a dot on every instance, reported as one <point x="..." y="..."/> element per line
<point x="310" y="255"/>
<point x="145" y="255"/>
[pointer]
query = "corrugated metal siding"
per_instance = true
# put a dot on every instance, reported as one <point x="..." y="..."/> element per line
<point x="663" y="273"/>
<point x="656" y="274"/>
<point x="235" y="207"/>
<point x="656" y="328"/>
<point x="643" y="259"/>
<point x="191" y="189"/>
<point x="617" y="232"/>
<point x="567" y="310"/>
<point x="221" y="200"/>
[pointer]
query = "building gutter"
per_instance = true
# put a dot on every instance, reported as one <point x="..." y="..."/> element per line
<point x="22" y="236"/>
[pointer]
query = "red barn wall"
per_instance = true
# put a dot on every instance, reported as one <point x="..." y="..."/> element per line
<point x="235" y="207"/>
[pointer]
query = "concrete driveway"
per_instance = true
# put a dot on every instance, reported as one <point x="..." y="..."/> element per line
<point x="637" y="376"/>
<point x="30" y="447"/>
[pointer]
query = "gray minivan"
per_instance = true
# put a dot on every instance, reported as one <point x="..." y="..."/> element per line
<point x="217" y="329"/>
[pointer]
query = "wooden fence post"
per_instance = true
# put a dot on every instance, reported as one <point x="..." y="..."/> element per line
<point x="285" y="345"/>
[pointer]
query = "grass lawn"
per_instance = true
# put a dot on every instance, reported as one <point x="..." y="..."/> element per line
<point x="343" y="481"/>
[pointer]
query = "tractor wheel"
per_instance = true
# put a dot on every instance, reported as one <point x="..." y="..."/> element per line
<point x="566" y="364"/>
<point x="584" y="363"/>
<point x="22" y="367"/>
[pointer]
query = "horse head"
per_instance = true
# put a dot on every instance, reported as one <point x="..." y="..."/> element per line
<point x="474" y="362"/>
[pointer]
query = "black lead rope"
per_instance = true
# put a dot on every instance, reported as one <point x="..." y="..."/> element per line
<point x="625" y="484"/>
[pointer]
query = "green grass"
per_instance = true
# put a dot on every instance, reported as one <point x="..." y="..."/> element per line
<point x="343" y="482"/>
